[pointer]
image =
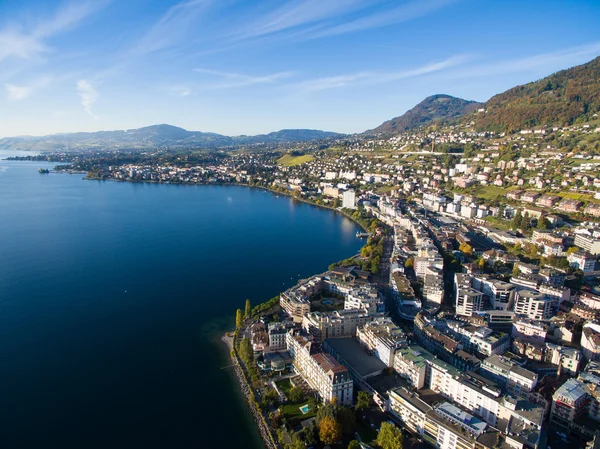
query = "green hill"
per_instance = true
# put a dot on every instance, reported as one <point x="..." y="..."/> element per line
<point x="433" y="108"/>
<point x="561" y="99"/>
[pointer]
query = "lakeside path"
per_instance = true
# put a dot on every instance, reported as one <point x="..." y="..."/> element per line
<point x="263" y="428"/>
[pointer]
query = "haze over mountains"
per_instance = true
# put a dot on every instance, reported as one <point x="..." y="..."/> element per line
<point x="557" y="100"/>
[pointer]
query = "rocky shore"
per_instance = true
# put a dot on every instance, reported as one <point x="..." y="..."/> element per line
<point x="263" y="428"/>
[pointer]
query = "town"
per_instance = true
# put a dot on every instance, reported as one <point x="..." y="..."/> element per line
<point x="470" y="317"/>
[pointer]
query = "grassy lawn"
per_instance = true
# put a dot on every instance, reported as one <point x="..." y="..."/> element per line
<point x="489" y="192"/>
<point x="576" y="196"/>
<point x="292" y="412"/>
<point x="289" y="161"/>
<point x="498" y="223"/>
<point x="284" y="385"/>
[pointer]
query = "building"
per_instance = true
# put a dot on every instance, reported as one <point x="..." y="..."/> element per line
<point x="409" y="409"/>
<point x="588" y="243"/>
<point x="321" y="371"/>
<point x="530" y="330"/>
<point x="366" y="299"/>
<point x="468" y="301"/>
<point x="575" y="408"/>
<point x="411" y="363"/>
<point x="533" y="304"/>
<point x="337" y="324"/>
<point x="516" y="380"/>
<point x="295" y="305"/>
<point x="590" y="341"/>
<point x="382" y="338"/>
<point x="349" y="199"/>
<point x="277" y="336"/>
<point x="582" y="260"/>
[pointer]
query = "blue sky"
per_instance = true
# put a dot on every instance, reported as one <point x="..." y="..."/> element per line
<point x="248" y="67"/>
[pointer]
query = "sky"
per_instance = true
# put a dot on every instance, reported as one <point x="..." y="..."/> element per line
<point x="255" y="66"/>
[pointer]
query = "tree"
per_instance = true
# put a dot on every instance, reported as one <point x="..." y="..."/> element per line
<point x="517" y="220"/>
<point x="330" y="430"/>
<point x="410" y="263"/>
<point x="465" y="248"/>
<point x="389" y="436"/>
<point x="354" y="445"/>
<point x="345" y="417"/>
<point x="239" y="319"/>
<point x="572" y="249"/>
<point x="363" y="401"/>
<point x="543" y="223"/>
<point x="525" y="221"/>
<point x="481" y="263"/>
<point x="515" y="270"/>
<point x="296" y="395"/>
<point x="248" y="310"/>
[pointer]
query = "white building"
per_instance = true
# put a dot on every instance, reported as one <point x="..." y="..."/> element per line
<point x="590" y="341"/>
<point x="533" y="304"/>
<point x="322" y="372"/>
<point x="381" y="337"/>
<point x="349" y="199"/>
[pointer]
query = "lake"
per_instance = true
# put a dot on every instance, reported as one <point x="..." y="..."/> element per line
<point x="114" y="296"/>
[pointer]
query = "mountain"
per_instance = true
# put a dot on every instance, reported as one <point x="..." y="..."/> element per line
<point x="560" y="99"/>
<point x="153" y="137"/>
<point x="433" y="108"/>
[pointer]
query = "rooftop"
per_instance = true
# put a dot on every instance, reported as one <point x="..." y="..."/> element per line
<point x="354" y="356"/>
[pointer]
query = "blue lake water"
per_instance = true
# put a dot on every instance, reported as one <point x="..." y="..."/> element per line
<point x="113" y="297"/>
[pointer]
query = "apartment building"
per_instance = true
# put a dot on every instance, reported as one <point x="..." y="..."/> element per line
<point x="533" y="304"/>
<point x="322" y="372"/>
<point x="382" y="338"/>
<point x="516" y="380"/>
<point x="340" y="323"/>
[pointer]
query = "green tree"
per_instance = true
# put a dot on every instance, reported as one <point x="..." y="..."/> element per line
<point x="347" y="420"/>
<point x="525" y="221"/>
<point x="389" y="437"/>
<point x="517" y="220"/>
<point x="248" y="310"/>
<point x="363" y="401"/>
<point x="330" y="430"/>
<point x="296" y="395"/>
<point x="239" y="319"/>
<point x="515" y="270"/>
<point x="543" y="223"/>
<point x="354" y="445"/>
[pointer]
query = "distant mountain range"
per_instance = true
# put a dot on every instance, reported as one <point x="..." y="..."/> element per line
<point x="153" y="137"/>
<point x="433" y="108"/>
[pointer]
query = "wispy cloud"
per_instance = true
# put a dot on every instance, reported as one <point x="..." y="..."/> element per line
<point x="16" y="41"/>
<point x="17" y="92"/>
<point x="408" y="11"/>
<point x="171" y="27"/>
<point x="233" y="80"/>
<point x="546" y="62"/>
<point x="88" y="95"/>
<point x="299" y="13"/>
<point x="312" y="19"/>
<point x="20" y="92"/>
<point x="179" y="91"/>
<point x="371" y="77"/>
